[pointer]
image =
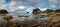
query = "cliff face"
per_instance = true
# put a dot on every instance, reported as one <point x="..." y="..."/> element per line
<point x="3" y="12"/>
<point x="36" y="11"/>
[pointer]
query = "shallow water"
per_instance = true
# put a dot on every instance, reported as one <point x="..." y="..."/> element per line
<point x="30" y="16"/>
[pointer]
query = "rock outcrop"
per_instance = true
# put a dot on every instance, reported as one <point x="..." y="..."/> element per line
<point x="58" y="10"/>
<point x="48" y="11"/>
<point x="7" y="18"/>
<point x="3" y="12"/>
<point x="36" y="11"/>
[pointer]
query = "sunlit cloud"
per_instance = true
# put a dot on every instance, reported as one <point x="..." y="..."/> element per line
<point x="3" y="5"/>
<point x="12" y="4"/>
<point x="43" y="9"/>
<point x="21" y="7"/>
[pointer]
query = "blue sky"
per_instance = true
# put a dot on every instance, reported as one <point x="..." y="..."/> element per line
<point x="8" y="1"/>
<point x="12" y="5"/>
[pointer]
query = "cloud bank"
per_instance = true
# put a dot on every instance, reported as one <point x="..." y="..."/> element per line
<point x="15" y="4"/>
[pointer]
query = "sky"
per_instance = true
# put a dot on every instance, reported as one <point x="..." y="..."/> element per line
<point x="12" y="5"/>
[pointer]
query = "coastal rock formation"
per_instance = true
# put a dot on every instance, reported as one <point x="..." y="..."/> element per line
<point x="7" y="18"/>
<point x="36" y="11"/>
<point x="3" y="12"/>
<point x="48" y="11"/>
<point x="13" y="23"/>
<point x="58" y="10"/>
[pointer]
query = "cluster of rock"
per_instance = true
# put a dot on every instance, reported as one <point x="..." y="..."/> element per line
<point x="46" y="23"/>
<point x="37" y="11"/>
<point x="10" y="22"/>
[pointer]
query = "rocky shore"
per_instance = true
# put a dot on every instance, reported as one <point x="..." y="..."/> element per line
<point x="38" y="18"/>
<point x="23" y="21"/>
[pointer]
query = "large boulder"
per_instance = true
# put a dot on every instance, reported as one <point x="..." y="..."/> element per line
<point x="3" y="12"/>
<point x="36" y="11"/>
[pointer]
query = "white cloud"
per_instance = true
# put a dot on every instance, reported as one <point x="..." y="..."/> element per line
<point x="20" y="4"/>
<point x="12" y="6"/>
<point x="12" y="9"/>
<point x="2" y="0"/>
<point x="3" y="5"/>
<point x="43" y="9"/>
<point x="21" y="7"/>
<point x="53" y="6"/>
<point x="12" y="3"/>
<point x="53" y="1"/>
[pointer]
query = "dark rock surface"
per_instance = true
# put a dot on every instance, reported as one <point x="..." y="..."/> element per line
<point x="36" y="11"/>
<point x="3" y="12"/>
